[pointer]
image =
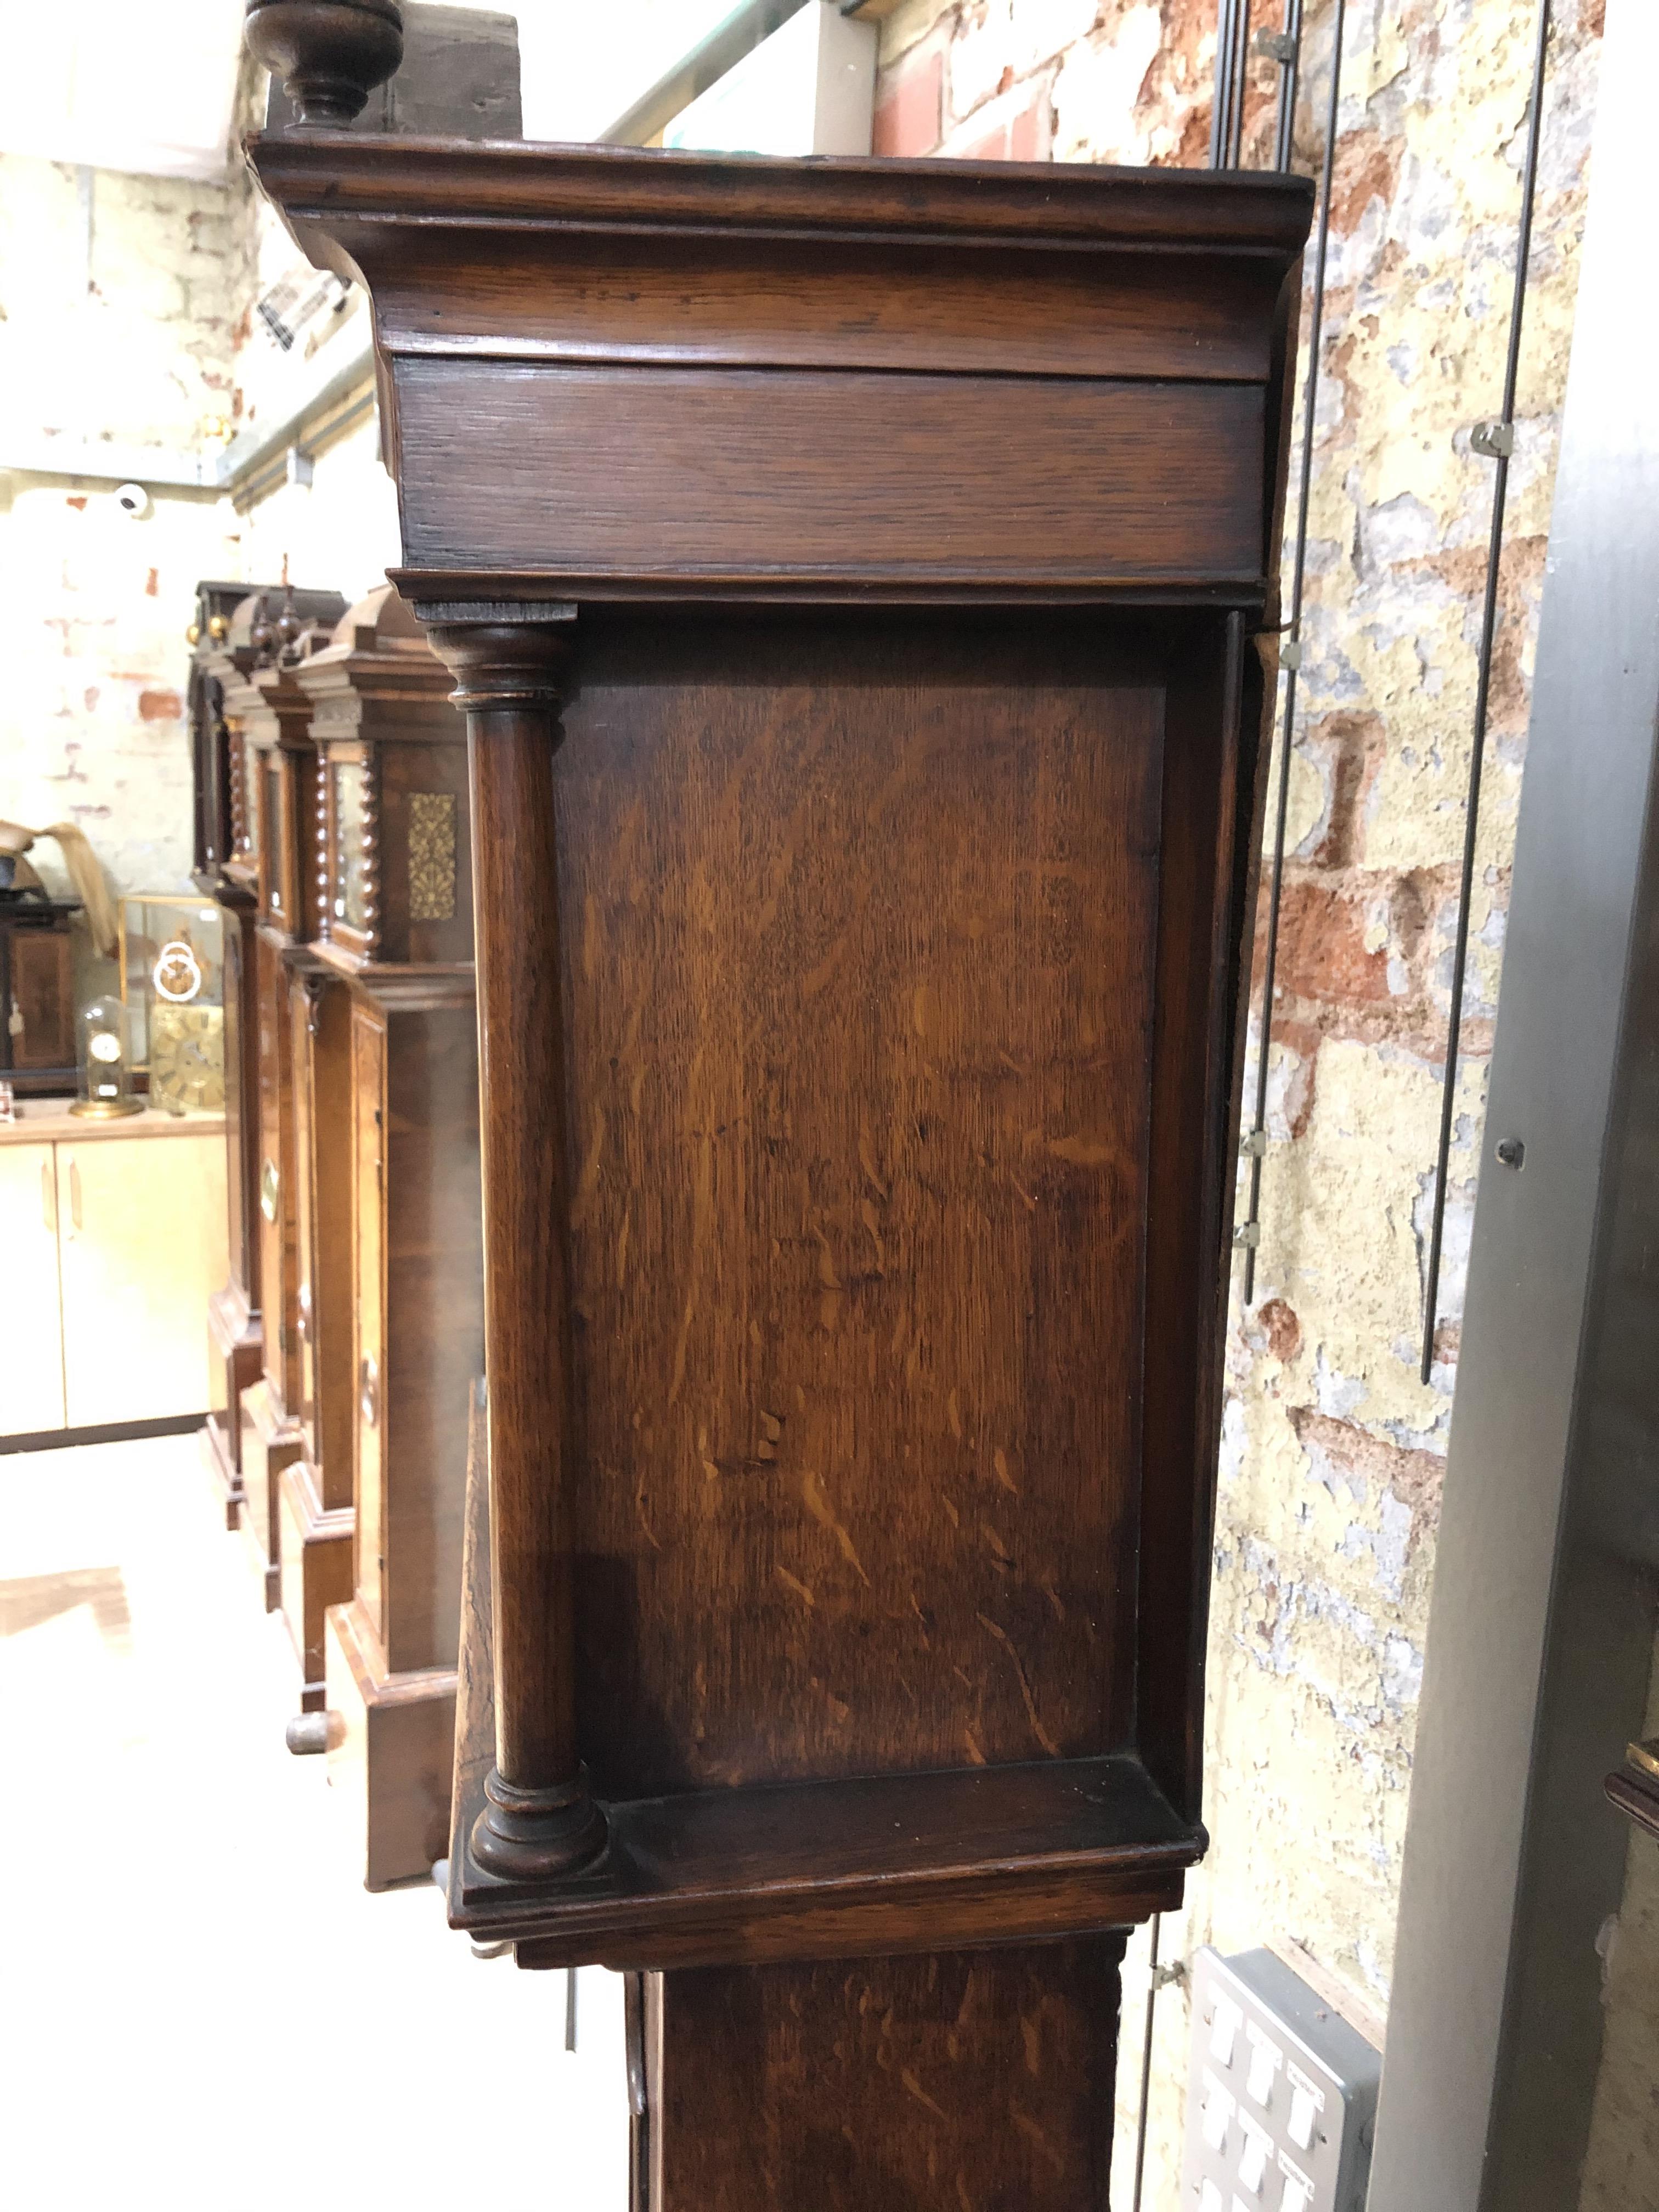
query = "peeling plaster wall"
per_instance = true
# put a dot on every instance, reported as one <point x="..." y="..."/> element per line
<point x="1333" y="1450"/>
<point x="126" y="318"/>
<point x="338" y="533"/>
<point x="116" y="307"/>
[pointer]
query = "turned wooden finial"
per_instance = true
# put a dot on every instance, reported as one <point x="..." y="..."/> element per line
<point x="330" y="54"/>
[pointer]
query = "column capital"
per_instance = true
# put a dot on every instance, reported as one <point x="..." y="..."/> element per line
<point x="503" y="653"/>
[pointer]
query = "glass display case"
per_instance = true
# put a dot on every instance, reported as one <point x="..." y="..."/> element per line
<point x="105" y="1061"/>
<point x="173" y="985"/>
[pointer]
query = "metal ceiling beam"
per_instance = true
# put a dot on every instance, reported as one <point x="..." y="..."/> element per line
<point x="725" y="46"/>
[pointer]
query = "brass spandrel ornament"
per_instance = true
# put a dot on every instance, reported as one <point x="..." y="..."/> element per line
<point x="432" y="856"/>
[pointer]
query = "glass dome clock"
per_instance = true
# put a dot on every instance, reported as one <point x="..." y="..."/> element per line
<point x="106" y="1058"/>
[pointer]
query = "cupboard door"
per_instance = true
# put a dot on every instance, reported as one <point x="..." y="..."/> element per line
<point x="278" y="1222"/>
<point x="142" y="1241"/>
<point x="369" y="1244"/>
<point x="32" y="1342"/>
<point x="304" y="1408"/>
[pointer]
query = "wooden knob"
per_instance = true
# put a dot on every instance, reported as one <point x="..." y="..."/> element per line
<point x="330" y="54"/>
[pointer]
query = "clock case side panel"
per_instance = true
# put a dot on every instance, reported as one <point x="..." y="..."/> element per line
<point x="391" y="1650"/>
<point x="857" y="919"/>
<point x="434" y="1326"/>
<point x="1177" y="1534"/>
<point x="1219" y="725"/>
<point x="1089" y="1843"/>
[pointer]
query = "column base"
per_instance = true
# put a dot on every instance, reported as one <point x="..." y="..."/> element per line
<point x="536" y="1835"/>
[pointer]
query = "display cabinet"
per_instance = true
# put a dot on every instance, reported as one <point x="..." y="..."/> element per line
<point x="859" y="581"/>
<point x="234" y="631"/>
<point x="171" y="952"/>
<point x="399" y="1040"/>
<point x="113" y="1227"/>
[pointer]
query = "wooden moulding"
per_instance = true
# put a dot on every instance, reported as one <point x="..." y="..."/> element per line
<point x="650" y="337"/>
<point x="858" y="580"/>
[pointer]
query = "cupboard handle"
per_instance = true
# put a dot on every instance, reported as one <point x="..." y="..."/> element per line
<point x="48" y="1198"/>
<point x="74" y="1194"/>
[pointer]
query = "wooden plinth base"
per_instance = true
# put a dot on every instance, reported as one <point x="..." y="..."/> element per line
<point x="222" y="1470"/>
<point x="236" y="1344"/>
<point x="315" y="1557"/>
<point x="391" y="1749"/>
<point x="270" y="1442"/>
<point x="958" y="2082"/>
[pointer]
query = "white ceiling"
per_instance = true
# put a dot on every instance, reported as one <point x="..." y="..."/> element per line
<point x="149" y="85"/>
<point x="101" y="82"/>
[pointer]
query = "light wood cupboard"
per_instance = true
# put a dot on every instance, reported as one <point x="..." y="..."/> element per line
<point x="32" y="1342"/>
<point x="119" y="1237"/>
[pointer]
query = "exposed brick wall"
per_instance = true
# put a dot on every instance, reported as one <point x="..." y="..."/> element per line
<point x="1333" y="1450"/>
<point x="139" y="330"/>
<point x="115" y="330"/>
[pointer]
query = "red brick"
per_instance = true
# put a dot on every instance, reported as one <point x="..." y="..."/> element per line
<point x="160" y="706"/>
<point x="1025" y="135"/>
<point x="993" y="147"/>
<point x="1012" y="138"/>
<point x="1321" y="947"/>
<point x="907" y="118"/>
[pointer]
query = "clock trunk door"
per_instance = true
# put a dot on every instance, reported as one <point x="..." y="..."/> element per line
<point x="368" y="1243"/>
<point x="279" y="1252"/>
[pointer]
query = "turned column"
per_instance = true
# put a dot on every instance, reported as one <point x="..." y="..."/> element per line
<point x="539" y="1818"/>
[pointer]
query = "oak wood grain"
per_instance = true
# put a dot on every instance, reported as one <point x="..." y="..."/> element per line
<point x="859" y="985"/>
<point x="741" y="302"/>
<point x="965" y="2082"/>
<point x="683" y="474"/>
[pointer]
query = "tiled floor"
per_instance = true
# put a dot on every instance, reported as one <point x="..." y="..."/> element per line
<point x="200" y="2006"/>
